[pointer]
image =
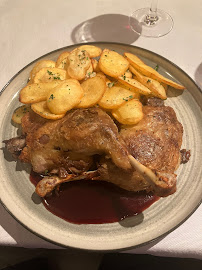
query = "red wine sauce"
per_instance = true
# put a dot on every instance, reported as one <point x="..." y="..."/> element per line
<point x="94" y="202"/>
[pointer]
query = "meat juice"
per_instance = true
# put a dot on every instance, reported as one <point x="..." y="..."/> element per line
<point x="94" y="202"/>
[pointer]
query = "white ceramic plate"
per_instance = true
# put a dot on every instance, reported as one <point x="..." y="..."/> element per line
<point x="17" y="193"/>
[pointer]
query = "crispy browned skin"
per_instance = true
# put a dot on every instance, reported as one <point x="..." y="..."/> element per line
<point x="155" y="142"/>
<point x="72" y="141"/>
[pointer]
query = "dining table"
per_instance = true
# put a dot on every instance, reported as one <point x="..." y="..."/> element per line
<point x="30" y="29"/>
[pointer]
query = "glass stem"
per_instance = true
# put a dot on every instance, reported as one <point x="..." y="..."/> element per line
<point x="152" y="17"/>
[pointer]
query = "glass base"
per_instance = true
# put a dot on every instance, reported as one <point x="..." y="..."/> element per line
<point x="146" y="25"/>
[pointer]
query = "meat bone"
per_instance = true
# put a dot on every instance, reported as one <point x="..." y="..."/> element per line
<point x="162" y="183"/>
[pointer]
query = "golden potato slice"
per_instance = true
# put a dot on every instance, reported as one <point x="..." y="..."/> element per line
<point x="49" y="75"/>
<point x="134" y="85"/>
<point x="129" y="113"/>
<point x="102" y="75"/>
<point x="94" y="89"/>
<point x="133" y="58"/>
<point x="115" y="96"/>
<point x="135" y="94"/>
<point x="19" y="113"/>
<point x="79" y="63"/>
<point x="128" y="74"/>
<point x="90" y="73"/>
<point x="95" y="65"/>
<point x="61" y="60"/>
<point x="112" y="63"/>
<point x="150" y="72"/>
<point x="64" y="97"/>
<point x="73" y="81"/>
<point x="36" y="92"/>
<point x="39" y="65"/>
<point x="156" y="88"/>
<point x="63" y="64"/>
<point x="41" y="109"/>
<point x="93" y="51"/>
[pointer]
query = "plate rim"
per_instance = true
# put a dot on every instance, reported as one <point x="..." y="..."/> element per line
<point x="96" y="44"/>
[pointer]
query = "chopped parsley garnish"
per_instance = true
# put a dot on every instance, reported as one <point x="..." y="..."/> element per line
<point x="56" y="78"/>
<point x="148" y="81"/>
<point x="128" y="98"/>
<point x="51" y="96"/>
<point x="54" y="75"/>
<point x="157" y="67"/>
<point x="49" y="72"/>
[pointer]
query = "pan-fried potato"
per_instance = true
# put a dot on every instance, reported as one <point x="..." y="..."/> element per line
<point x="129" y="113"/>
<point x="36" y="92"/>
<point x="102" y="75"/>
<point x="79" y="63"/>
<point x="133" y="58"/>
<point x="78" y="80"/>
<point x="61" y="60"/>
<point x="49" y="75"/>
<point x="95" y="65"/>
<point x="112" y="63"/>
<point x="64" y="97"/>
<point x="135" y="94"/>
<point x="134" y="85"/>
<point x="114" y="97"/>
<point x="94" y="89"/>
<point x="93" y="51"/>
<point x="63" y="64"/>
<point x="73" y="81"/>
<point x="41" y="109"/>
<point x="19" y="113"/>
<point x="39" y="65"/>
<point x="150" y="72"/>
<point x="156" y="88"/>
<point x="90" y="73"/>
<point x="128" y="74"/>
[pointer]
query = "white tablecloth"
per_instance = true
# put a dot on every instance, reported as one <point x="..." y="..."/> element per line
<point x="32" y="28"/>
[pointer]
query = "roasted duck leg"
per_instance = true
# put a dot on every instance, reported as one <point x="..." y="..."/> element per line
<point x="81" y="133"/>
<point x="140" y="157"/>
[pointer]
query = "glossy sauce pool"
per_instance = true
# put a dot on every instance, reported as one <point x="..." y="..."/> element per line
<point x="94" y="202"/>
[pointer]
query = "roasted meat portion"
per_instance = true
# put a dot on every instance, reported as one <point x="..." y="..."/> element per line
<point x="72" y="141"/>
<point x="155" y="142"/>
<point x="15" y="145"/>
<point x="67" y="149"/>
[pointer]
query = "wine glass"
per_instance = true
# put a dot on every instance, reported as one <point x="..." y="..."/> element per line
<point x="151" y="22"/>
